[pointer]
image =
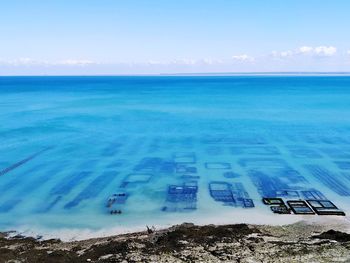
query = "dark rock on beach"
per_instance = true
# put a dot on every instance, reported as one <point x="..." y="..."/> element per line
<point x="334" y="235"/>
<point x="189" y="243"/>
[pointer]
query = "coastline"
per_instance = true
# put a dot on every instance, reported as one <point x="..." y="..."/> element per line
<point x="226" y="217"/>
<point x="302" y="241"/>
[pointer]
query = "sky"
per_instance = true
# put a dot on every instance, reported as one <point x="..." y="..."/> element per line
<point x="97" y="37"/>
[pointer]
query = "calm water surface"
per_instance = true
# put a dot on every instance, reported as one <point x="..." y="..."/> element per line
<point x="173" y="149"/>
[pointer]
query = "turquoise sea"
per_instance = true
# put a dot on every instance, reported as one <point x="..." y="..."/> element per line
<point x="169" y="149"/>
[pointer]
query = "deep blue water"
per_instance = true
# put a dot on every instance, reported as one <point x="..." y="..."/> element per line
<point x="175" y="149"/>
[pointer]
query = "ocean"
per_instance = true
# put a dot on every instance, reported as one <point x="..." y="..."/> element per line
<point x="90" y="156"/>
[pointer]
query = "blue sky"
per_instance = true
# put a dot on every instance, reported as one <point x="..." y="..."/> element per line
<point x="159" y="36"/>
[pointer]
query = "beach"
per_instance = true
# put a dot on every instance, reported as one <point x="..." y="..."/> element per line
<point x="299" y="242"/>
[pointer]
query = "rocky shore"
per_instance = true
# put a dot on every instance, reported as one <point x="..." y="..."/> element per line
<point x="300" y="242"/>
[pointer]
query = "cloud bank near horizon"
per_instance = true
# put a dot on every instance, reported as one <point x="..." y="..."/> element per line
<point x="304" y="58"/>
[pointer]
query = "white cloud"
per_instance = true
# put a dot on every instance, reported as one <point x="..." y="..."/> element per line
<point x="305" y="50"/>
<point x="155" y="62"/>
<point x="325" y="51"/>
<point x="243" y="58"/>
<point x="283" y="54"/>
<point x="74" y="62"/>
<point x="348" y="52"/>
<point x="204" y="61"/>
<point x="34" y="62"/>
<point x="210" y="61"/>
<point x="23" y="62"/>
<point x="320" y="51"/>
<point x="184" y="61"/>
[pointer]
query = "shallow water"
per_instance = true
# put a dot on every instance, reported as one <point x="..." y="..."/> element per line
<point x="69" y="143"/>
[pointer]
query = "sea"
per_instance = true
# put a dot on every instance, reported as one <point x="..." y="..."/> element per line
<point x="93" y="156"/>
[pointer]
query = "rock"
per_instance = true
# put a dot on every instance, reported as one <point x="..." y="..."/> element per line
<point x="334" y="235"/>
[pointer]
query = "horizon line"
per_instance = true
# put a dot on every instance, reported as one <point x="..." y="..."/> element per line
<point x="258" y="73"/>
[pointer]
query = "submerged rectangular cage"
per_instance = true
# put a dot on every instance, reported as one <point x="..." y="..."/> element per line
<point x="135" y="179"/>
<point x="218" y="166"/>
<point x="221" y="192"/>
<point x="325" y="207"/>
<point x="232" y="195"/>
<point x="300" y="207"/>
<point x="181" y="198"/>
<point x="277" y="205"/>
<point x="184" y="157"/>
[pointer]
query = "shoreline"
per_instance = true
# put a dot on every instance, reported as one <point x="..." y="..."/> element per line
<point x="80" y="234"/>
<point x="187" y="242"/>
<point x="237" y="217"/>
